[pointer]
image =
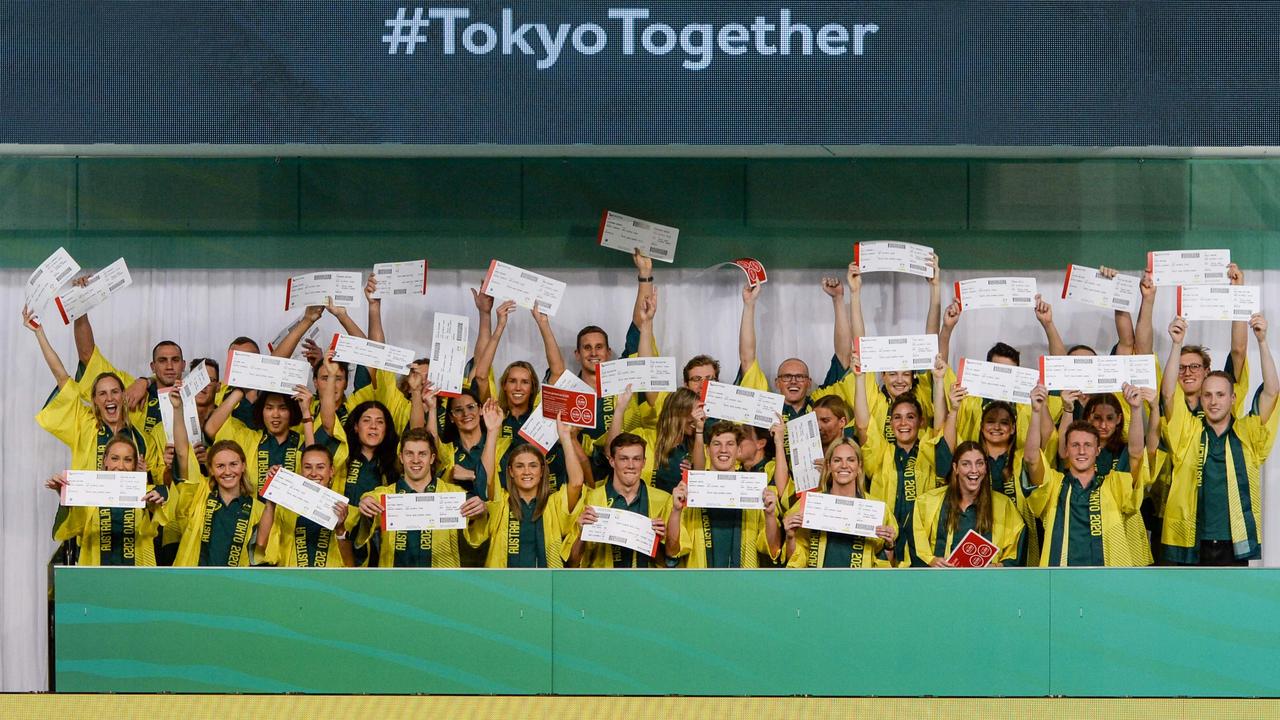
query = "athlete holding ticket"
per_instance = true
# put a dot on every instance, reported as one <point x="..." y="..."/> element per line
<point x="625" y="491"/>
<point x="944" y="516"/>
<point x="841" y="477"/>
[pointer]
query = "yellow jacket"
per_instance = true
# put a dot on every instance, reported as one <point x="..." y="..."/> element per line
<point x="1006" y="526"/>
<point x="600" y="555"/>
<point x="1120" y="498"/>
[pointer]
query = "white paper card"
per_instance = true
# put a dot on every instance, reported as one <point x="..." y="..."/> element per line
<point x="361" y="351"/>
<point x="540" y="430"/>
<point x="741" y="405"/>
<point x="888" y="353"/>
<point x="1189" y="267"/>
<point x="844" y="515"/>
<point x="251" y="371"/>
<point x="894" y="256"/>
<point x="508" y="282"/>
<point x="1219" y="302"/>
<point x="643" y="374"/>
<point x="423" y="511"/>
<point x="729" y="490"/>
<point x="308" y="499"/>
<point x="995" y="381"/>
<point x="1091" y="374"/>
<point x="195" y="381"/>
<point x="398" y="279"/>
<point x="448" y="367"/>
<point x="804" y="444"/>
<point x="625" y="233"/>
<point x="78" y="301"/>
<point x="190" y="417"/>
<point x="623" y="528"/>
<point x="87" y="488"/>
<point x="996" y="292"/>
<point x="317" y="287"/>
<point x="1089" y="286"/>
<point x="43" y="284"/>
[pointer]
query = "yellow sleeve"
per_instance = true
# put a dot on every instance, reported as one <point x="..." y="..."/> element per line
<point x="1259" y="435"/>
<point x="1181" y="427"/>
<point x="97" y="365"/>
<point x="1043" y="497"/>
<point x="924" y="528"/>
<point x="66" y="417"/>
<point x="687" y="528"/>
<point x="1241" y="388"/>
<point x="244" y="436"/>
<point x="73" y="524"/>
<point x="754" y="378"/>
<point x="969" y="419"/>
<point x="762" y="537"/>
<point x="1008" y="530"/>
<point x="366" y="527"/>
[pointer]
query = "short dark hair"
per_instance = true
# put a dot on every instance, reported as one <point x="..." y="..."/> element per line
<point x="1231" y="381"/>
<point x="295" y="412"/>
<point x="724" y="426"/>
<point x="700" y="360"/>
<point x="317" y="447"/>
<point x="626" y="439"/>
<point x="165" y="343"/>
<point x="1074" y="348"/>
<point x="217" y="369"/>
<point x="315" y="369"/>
<point x="1005" y="351"/>
<point x="589" y="330"/>
<point x="243" y="340"/>
<point x="418" y="434"/>
<point x="1086" y="427"/>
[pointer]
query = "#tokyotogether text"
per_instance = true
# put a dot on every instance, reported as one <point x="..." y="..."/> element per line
<point x="453" y="30"/>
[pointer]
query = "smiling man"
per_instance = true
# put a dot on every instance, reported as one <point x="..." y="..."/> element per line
<point x="626" y="490"/>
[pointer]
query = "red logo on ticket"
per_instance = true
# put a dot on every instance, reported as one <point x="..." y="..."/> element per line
<point x="754" y="270"/>
<point x="579" y="408"/>
<point x="973" y="551"/>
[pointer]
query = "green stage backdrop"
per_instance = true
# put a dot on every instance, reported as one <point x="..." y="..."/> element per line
<point x="1166" y="632"/>
<point x="323" y="212"/>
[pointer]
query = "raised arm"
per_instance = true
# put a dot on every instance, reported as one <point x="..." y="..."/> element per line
<point x="954" y="399"/>
<point x="51" y="358"/>
<point x="950" y="318"/>
<point x="297" y="330"/>
<point x="644" y="284"/>
<point x="344" y="319"/>
<point x="861" y="411"/>
<point x="218" y="417"/>
<point x="1270" y="382"/>
<point x="1133" y="396"/>
<point x="485" y="354"/>
<point x="1239" y="329"/>
<point x="376" y="332"/>
<point x="933" y="322"/>
<point x="555" y="361"/>
<point x="484" y="328"/>
<point x="843" y="337"/>
<point x="619" y="408"/>
<point x="853" y="277"/>
<point x="1069" y="400"/>
<point x="781" y="471"/>
<point x="647" y="311"/>
<point x="1031" y="458"/>
<point x="1125" y="338"/>
<point x="1044" y="313"/>
<point x="1144" y="336"/>
<point x="1169" y="383"/>
<point x="572" y="468"/>
<point x="492" y="415"/>
<point x="330" y="395"/>
<point x="181" y="443"/>
<point x="747" y="327"/>
<point x="939" y="393"/>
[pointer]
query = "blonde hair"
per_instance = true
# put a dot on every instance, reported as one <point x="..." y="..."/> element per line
<point x="230" y="446"/>
<point x="824" y="482"/>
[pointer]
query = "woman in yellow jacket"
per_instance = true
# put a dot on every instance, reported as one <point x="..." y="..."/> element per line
<point x="944" y="516"/>
<point x="528" y="521"/>
<point x="287" y="539"/>
<point x="417" y="548"/>
<point x="804" y="548"/>
<point x="112" y="536"/>
<point x="1084" y="510"/>
<point x="219" y="515"/>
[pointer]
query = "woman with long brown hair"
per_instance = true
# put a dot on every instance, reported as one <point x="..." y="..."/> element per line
<point x="944" y="516"/>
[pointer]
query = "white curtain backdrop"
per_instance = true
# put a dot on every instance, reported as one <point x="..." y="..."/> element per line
<point x="203" y="310"/>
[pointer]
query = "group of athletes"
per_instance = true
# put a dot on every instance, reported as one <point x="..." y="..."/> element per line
<point x="1168" y="475"/>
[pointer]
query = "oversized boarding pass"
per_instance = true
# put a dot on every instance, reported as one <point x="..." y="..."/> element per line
<point x="43" y="284"/>
<point x="361" y="351"/>
<point x="448" y="367"/>
<point x="804" y="445"/>
<point x="87" y="488"/>
<point x="539" y="429"/>
<point x="727" y="490"/>
<point x="573" y="407"/>
<point x="1092" y="374"/>
<point x="78" y="301"/>
<point x="525" y="287"/>
<point x="1089" y="286"/>
<point x="741" y="405"/>
<point x="996" y="292"/>
<point x="308" y="499"/>
<point x="251" y="371"/>
<point x="839" y="514"/>
<point x="1189" y="267"/>
<point x="399" y="279"/>
<point x="994" y="381"/>
<point x="190" y="417"/>
<point x="887" y="353"/>
<point x="1219" y="302"/>
<point x="423" y="511"/>
<point x="894" y="256"/>
<point x="622" y="528"/>
<point x="318" y="288"/>
<point x="625" y="233"/>
<point x="974" y="551"/>
<point x="194" y="382"/>
<point x="643" y="374"/>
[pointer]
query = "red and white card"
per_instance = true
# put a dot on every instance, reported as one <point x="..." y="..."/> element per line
<point x="974" y="551"/>
<point x="579" y="407"/>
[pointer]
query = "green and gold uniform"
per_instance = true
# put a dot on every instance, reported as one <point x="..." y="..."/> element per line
<point x="933" y="540"/>
<point x="649" y="501"/>
<point x="262" y="450"/>
<point x="525" y="542"/>
<point x="822" y="549"/>
<point x="298" y="542"/>
<point x="216" y="534"/>
<point x="719" y="538"/>
<point x="1086" y="526"/>
<point x="415" y="548"/>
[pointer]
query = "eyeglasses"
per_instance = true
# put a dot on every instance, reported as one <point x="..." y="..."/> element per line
<point x="1193" y="367"/>
<point x="793" y="377"/>
<point x="465" y="409"/>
